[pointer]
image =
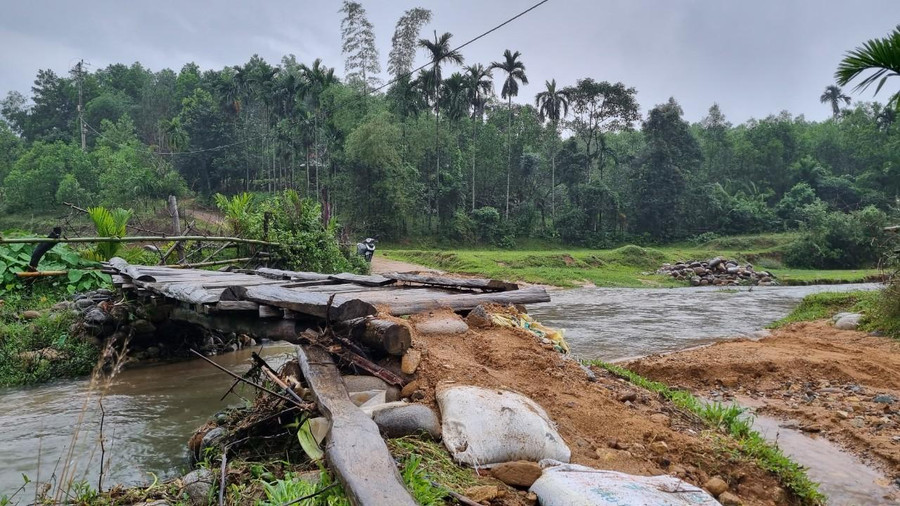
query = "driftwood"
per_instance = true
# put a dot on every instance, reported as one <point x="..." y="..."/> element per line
<point x="320" y="305"/>
<point x="357" y="279"/>
<point x="391" y="337"/>
<point x="460" y="301"/>
<point x="493" y="285"/>
<point x="355" y="450"/>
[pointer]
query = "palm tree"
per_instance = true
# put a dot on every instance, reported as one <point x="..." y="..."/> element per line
<point x="439" y="50"/>
<point x="515" y="73"/>
<point x="455" y="94"/>
<point x="552" y="104"/>
<point x="833" y="95"/>
<point x="317" y="78"/>
<point x="881" y="55"/>
<point x="479" y="87"/>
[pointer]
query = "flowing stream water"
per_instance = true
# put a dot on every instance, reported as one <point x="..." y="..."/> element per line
<point x="152" y="411"/>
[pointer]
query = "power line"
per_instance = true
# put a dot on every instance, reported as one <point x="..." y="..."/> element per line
<point x="501" y="25"/>
<point x="173" y="153"/>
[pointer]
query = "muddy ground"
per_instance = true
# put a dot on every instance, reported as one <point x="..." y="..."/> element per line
<point x="843" y="385"/>
<point x="608" y="423"/>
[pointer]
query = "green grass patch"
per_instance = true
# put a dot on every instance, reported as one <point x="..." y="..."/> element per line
<point x="884" y="313"/>
<point x="627" y="266"/>
<point x="727" y="419"/>
<point x="41" y="349"/>
<point x="434" y="463"/>
<point x="819" y="306"/>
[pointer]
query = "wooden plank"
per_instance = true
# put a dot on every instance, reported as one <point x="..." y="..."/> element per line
<point x="290" y="275"/>
<point x="482" y="284"/>
<point x="132" y="271"/>
<point x="237" y="305"/>
<point x="355" y="450"/>
<point x="276" y="330"/>
<point x="399" y="306"/>
<point x="321" y="305"/>
<point x="269" y="311"/>
<point x="185" y="292"/>
<point x="357" y="279"/>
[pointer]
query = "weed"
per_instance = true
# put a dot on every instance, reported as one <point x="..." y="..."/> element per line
<point x="419" y="485"/>
<point x="824" y="305"/>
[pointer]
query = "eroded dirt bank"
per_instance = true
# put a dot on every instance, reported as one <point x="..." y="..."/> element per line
<point x="843" y="385"/>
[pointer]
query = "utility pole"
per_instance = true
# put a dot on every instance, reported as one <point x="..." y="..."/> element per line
<point x="79" y="69"/>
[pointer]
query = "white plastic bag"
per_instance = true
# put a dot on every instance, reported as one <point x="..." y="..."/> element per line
<point x="482" y="427"/>
<point x="573" y="485"/>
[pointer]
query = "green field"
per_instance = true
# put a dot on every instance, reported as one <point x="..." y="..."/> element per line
<point x="627" y="266"/>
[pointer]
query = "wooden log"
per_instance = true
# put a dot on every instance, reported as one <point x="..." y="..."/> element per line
<point x="358" y="279"/>
<point x="147" y="238"/>
<point x="289" y="275"/>
<point x="176" y="226"/>
<point x="269" y="311"/>
<point x="237" y="305"/>
<point x="482" y="284"/>
<point x="40" y="274"/>
<point x="276" y="330"/>
<point x="391" y="337"/>
<point x="461" y="301"/>
<point x="355" y="450"/>
<point x="129" y="270"/>
<point x="321" y="305"/>
<point x="191" y="293"/>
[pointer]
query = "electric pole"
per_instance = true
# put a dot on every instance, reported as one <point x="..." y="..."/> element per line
<point x="79" y="69"/>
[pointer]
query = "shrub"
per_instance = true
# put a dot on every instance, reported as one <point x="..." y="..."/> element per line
<point x="487" y="224"/>
<point x="836" y="240"/>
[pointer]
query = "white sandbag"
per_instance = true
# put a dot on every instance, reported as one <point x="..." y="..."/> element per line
<point x="573" y="485"/>
<point x="482" y="427"/>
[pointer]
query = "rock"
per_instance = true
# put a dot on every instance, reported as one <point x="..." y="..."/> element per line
<point x="884" y="399"/>
<point x="531" y="498"/>
<point x="848" y="322"/>
<point x="197" y="485"/>
<point x="31" y="315"/>
<point x="715" y="262"/>
<point x="409" y="388"/>
<point x="729" y="499"/>
<point x="442" y="325"/>
<point x="843" y="415"/>
<point x="520" y="473"/>
<point x="659" y="418"/>
<point x="716" y="486"/>
<point x="695" y="281"/>
<point x="84" y="303"/>
<point x="628" y="397"/>
<point x="407" y="420"/>
<point x="858" y="422"/>
<point x="369" y="383"/>
<point x="152" y="351"/>
<point x="96" y="316"/>
<point x="659" y="447"/>
<point x="410" y="361"/>
<point x="212" y="439"/>
<point x="61" y="306"/>
<point x="483" y="493"/>
<point x="143" y="327"/>
<point x="479" y="317"/>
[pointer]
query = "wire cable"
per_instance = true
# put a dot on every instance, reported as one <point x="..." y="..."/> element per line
<point x="501" y="25"/>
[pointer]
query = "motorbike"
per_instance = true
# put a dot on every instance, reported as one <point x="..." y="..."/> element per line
<point x="366" y="249"/>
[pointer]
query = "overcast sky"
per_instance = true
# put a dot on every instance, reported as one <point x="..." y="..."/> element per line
<point x="754" y="58"/>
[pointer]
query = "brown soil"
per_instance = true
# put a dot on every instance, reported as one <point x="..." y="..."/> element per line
<point x="381" y="265"/>
<point x="607" y="423"/>
<point x="825" y="379"/>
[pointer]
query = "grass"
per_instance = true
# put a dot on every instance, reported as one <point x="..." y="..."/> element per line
<point x="627" y="266"/>
<point x="42" y="349"/>
<point x="728" y="420"/>
<point x="819" y="306"/>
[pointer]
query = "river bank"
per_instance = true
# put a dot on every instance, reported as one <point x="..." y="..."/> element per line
<point x="838" y="384"/>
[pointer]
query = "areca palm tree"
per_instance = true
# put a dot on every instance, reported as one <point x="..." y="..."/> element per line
<point x="479" y="86"/>
<point x="515" y="74"/>
<point x="317" y="78"/>
<point x="879" y="55"/>
<point x="439" y="51"/>
<point x="834" y="95"/>
<point x="553" y="105"/>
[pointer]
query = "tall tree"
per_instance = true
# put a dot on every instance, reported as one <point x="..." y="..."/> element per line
<point x="403" y="43"/>
<point x="317" y="79"/>
<point x="834" y="95"/>
<point x="358" y="36"/>
<point x="880" y="55"/>
<point x="479" y="87"/>
<point x="553" y="105"/>
<point x="515" y="74"/>
<point x="599" y="109"/>
<point x="439" y="51"/>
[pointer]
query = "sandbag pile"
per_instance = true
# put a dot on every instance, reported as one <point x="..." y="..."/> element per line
<point x="718" y="272"/>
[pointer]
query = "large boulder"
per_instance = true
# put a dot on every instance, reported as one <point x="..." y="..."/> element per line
<point x="848" y="322"/>
<point x="407" y="420"/>
<point x="450" y="324"/>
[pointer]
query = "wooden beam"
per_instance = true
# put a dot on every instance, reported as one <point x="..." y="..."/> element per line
<point x="276" y="330"/>
<point x="289" y="275"/>
<point x="237" y="305"/>
<point x="406" y="305"/>
<point x="391" y="337"/>
<point x="482" y="284"/>
<point x="321" y="305"/>
<point x="355" y="450"/>
<point x="357" y="279"/>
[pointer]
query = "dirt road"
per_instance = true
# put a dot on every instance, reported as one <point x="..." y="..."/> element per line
<point x="843" y="385"/>
<point x="380" y="265"/>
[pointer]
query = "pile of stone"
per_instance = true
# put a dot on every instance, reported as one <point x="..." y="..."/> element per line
<point x="717" y="272"/>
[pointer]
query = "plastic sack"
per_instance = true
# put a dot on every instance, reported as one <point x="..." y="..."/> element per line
<point x="523" y="321"/>
<point x="573" y="485"/>
<point x="482" y="427"/>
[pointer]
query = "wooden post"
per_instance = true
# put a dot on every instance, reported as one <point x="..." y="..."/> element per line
<point x="176" y="226"/>
<point x="385" y="335"/>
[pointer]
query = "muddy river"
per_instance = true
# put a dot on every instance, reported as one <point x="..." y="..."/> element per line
<point x="152" y="411"/>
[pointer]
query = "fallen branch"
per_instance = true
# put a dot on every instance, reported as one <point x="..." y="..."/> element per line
<point x="301" y="405"/>
<point x="40" y="274"/>
<point x="141" y="238"/>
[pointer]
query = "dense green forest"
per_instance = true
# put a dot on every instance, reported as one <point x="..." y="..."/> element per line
<point x="445" y="152"/>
